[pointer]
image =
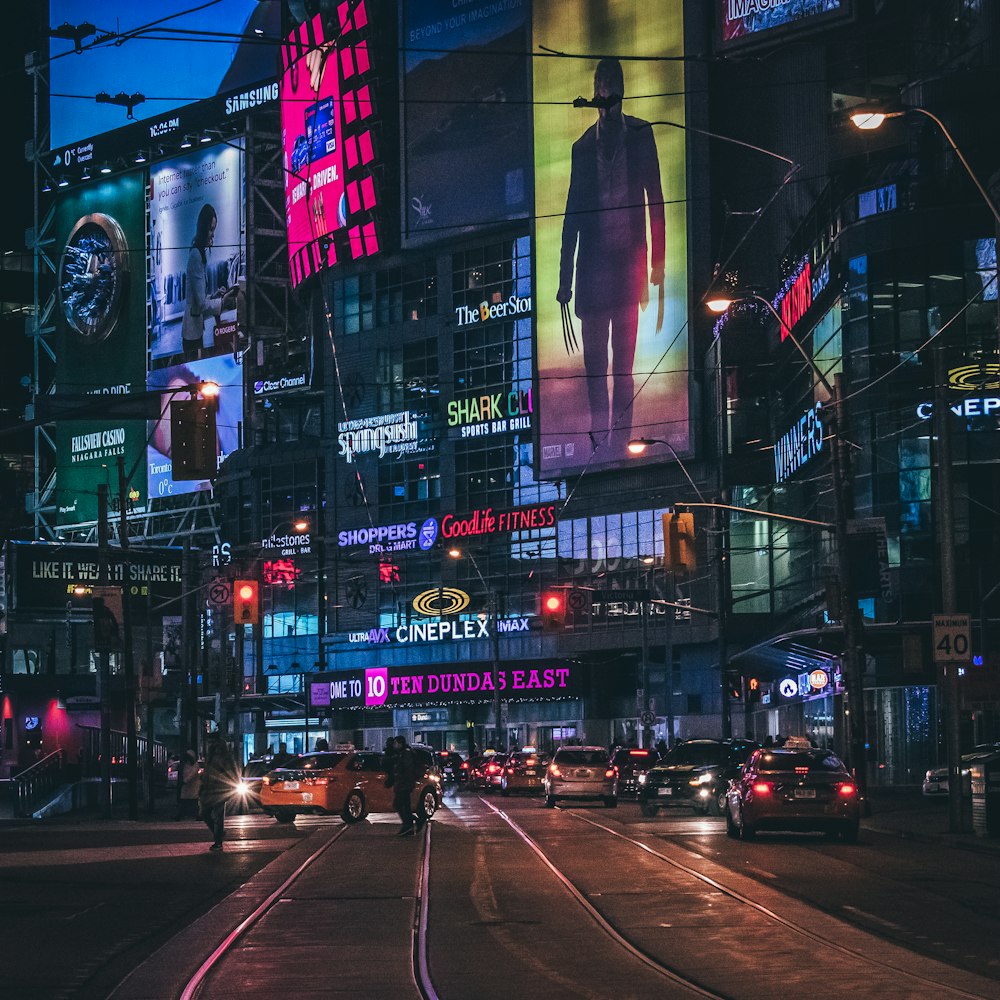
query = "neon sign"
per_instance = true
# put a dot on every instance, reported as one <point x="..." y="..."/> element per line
<point x="801" y="442"/>
<point x="796" y="298"/>
<point x="491" y="413"/>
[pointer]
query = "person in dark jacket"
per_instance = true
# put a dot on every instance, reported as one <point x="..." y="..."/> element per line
<point x="218" y="783"/>
<point x="402" y="768"/>
<point x="614" y="182"/>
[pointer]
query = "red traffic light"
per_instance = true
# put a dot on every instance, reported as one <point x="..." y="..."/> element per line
<point x="246" y="602"/>
<point x="553" y="603"/>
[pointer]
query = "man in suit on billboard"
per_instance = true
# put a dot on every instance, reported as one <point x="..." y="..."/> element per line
<point x="614" y="181"/>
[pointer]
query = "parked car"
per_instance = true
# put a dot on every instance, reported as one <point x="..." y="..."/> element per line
<point x="632" y="763"/>
<point x="793" y="788"/>
<point x="581" y="773"/>
<point x="523" y="771"/>
<point x="695" y="773"/>
<point x="349" y="783"/>
<point x="936" y="779"/>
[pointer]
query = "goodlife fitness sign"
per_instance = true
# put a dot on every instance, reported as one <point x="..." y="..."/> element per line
<point x="485" y="521"/>
<point x="379" y="687"/>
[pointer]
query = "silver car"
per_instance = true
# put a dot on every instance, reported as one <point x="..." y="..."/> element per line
<point x="581" y="773"/>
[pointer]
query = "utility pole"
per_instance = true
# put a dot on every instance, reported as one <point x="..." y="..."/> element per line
<point x="945" y="510"/>
<point x="722" y="589"/>
<point x="501" y="734"/>
<point x="104" y="656"/>
<point x="189" y="645"/>
<point x="128" y="660"/>
<point x="843" y="502"/>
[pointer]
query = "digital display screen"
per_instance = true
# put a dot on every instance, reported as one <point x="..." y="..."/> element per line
<point x="173" y="381"/>
<point x="611" y="237"/>
<point x="197" y="221"/>
<point x="99" y="232"/>
<point x="745" y="21"/>
<point x="466" y="117"/>
<point x="315" y="201"/>
<point x="174" y="53"/>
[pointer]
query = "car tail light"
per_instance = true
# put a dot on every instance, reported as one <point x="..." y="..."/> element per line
<point x="492" y="769"/>
<point x="802" y="770"/>
<point x="847" y="788"/>
<point x="465" y="765"/>
<point x="609" y="773"/>
<point x="267" y="780"/>
<point x="554" y="771"/>
<point x="762" y="787"/>
<point x="320" y="781"/>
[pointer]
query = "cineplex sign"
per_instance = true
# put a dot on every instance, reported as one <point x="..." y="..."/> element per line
<point x="377" y="687"/>
<point x="442" y="631"/>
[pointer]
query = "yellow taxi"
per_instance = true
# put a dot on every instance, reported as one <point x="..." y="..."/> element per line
<point x="348" y="783"/>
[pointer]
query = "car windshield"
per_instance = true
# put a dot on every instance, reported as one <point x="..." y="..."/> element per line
<point x="703" y="754"/>
<point x="321" y="761"/>
<point x="582" y="758"/>
<point x="793" y="761"/>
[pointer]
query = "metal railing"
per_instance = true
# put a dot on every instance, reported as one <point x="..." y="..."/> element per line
<point x="36" y="784"/>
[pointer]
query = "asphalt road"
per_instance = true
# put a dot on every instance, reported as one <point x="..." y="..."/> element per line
<point x="83" y="905"/>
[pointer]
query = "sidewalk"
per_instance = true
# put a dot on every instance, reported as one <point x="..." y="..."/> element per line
<point x="905" y="812"/>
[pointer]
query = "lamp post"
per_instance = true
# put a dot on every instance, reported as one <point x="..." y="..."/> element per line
<point x="492" y="610"/>
<point x="637" y="447"/>
<point x="843" y="501"/>
<point x="868" y="118"/>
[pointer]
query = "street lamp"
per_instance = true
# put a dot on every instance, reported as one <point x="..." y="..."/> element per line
<point x="843" y="504"/>
<point x="869" y="117"/>
<point x="637" y="447"/>
<point x="491" y="598"/>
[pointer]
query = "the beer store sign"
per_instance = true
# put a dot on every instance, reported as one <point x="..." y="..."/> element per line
<point x="513" y="307"/>
<point x="440" y="684"/>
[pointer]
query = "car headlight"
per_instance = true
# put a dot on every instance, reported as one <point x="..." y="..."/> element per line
<point x="702" y="779"/>
<point x="641" y="779"/>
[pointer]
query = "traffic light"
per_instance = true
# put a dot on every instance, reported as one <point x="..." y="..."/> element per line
<point x="194" y="442"/>
<point x="678" y="541"/>
<point x="554" y="611"/>
<point x="246" y="602"/>
<point x="734" y="686"/>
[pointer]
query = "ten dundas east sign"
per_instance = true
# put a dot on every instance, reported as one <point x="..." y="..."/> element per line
<point x="443" y="683"/>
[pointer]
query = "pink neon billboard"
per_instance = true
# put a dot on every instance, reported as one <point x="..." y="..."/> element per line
<point x="328" y="148"/>
<point x="312" y="144"/>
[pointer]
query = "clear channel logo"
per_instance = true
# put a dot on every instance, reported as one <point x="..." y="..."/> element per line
<point x="428" y="533"/>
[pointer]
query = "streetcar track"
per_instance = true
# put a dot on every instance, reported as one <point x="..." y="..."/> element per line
<point x="675" y="977"/>
<point x="770" y="914"/>
<point x="195" y="983"/>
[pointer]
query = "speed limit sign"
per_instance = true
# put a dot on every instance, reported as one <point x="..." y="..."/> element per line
<point x="952" y="639"/>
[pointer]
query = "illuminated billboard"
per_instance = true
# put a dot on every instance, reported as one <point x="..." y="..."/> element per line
<point x="611" y="236"/>
<point x="173" y="382"/>
<point x="173" y="54"/>
<point x="742" y="22"/>
<point x="466" y="116"/>
<point x="327" y="143"/>
<point x="197" y="224"/>
<point x="100" y="236"/>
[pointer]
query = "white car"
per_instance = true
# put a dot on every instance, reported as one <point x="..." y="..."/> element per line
<point x="936" y="779"/>
<point x="581" y="773"/>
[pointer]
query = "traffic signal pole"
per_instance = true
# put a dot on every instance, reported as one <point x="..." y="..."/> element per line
<point x="128" y="657"/>
<point x="104" y="657"/>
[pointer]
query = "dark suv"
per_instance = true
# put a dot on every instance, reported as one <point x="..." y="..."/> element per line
<point x="694" y="773"/>
<point x="632" y="764"/>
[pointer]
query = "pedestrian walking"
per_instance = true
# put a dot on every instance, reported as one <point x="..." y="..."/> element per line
<point x="402" y="770"/>
<point x="189" y="785"/>
<point x="322" y="745"/>
<point x="218" y="783"/>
